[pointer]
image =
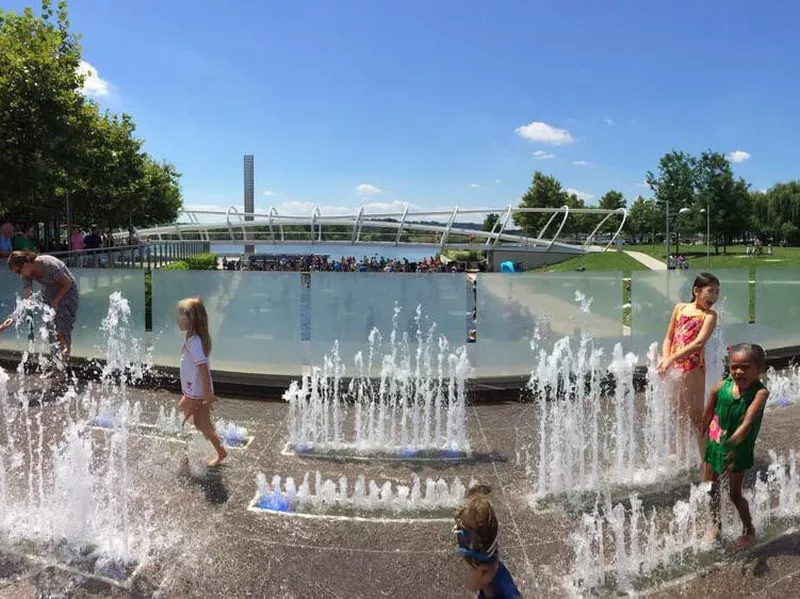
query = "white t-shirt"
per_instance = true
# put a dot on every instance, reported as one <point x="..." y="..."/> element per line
<point x="192" y="356"/>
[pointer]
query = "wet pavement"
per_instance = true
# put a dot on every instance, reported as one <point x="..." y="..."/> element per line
<point x="205" y="543"/>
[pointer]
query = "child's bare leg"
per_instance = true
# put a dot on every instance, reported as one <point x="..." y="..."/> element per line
<point x="694" y="394"/>
<point x="186" y="407"/>
<point x="709" y="476"/>
<point x="748" y="531"/>
<point x="202" y="420"/>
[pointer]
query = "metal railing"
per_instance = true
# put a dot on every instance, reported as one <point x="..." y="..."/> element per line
<point x="142" y="255"/>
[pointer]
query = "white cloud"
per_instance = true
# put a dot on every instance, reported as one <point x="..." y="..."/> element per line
<point x="738" y="156"/>
<point x="497" y="181"/>
<point x="582" y="163"/>
<point x="268" y="193"/>
<point x="542" y="155"/>
<point x="365" y="189"/>
<point x="544" y="133"/>
<point x="93" y="85"/>
<point x="582" y="195"/>
<point x="474" y="185"/>
<point x="643" y="184"/>
<point x="608" y="121"/>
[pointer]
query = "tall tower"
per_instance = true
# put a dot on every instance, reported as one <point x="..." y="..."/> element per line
<point x="249" y="195"/>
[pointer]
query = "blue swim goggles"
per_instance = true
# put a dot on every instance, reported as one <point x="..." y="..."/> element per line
<point x="466" y="549"/>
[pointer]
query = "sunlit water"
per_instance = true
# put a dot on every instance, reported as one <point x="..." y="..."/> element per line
<point x="418" y="404"/>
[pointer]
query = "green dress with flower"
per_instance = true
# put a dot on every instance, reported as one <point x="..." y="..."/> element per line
<point x="728" y="416"/>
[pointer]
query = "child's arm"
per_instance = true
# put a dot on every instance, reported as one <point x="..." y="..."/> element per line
<point x="754" y="410"/>
<point x="698" y="344"/>
<point x="711" y="406"/>
<point x="666" y="346"/>
<point x="205" y="376"/>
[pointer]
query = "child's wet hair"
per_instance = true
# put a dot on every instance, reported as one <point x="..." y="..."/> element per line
<point x="754" y="351"/>
<point x="704" y="279"/>
<point x="195" y="312"/>
<point x="477" y="516"/>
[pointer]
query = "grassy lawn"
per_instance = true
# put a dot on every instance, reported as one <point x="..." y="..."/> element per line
<point x="735" y="257"/>
<point x="597" y="262"/>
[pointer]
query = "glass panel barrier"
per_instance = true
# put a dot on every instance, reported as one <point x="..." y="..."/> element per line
<point x="777" y="313"/>
<point x="347" y="306"/>
<point x="254" y="318"/>
<point x="95" y="285"/>
<point x="511" y="306"/>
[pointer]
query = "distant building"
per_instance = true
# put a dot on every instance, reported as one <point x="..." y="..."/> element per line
<point x="249" y="194"/>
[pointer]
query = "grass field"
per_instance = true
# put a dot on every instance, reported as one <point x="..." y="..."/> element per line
<point x="735" y="257"/>
<point x="597" y="262"/>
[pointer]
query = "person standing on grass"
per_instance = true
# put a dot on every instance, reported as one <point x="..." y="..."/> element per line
<point x="732" y="420"/>
<point x="683" y="357"/>
<point x="196" y="384"/>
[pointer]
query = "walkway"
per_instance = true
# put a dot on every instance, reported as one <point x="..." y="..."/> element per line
<point x="648" y="261"/>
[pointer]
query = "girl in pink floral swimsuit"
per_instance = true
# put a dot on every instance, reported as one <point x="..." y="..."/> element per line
<point x="690" y="327"/>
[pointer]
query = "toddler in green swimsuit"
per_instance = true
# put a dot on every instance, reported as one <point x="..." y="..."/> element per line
<point x="732" y="419"/>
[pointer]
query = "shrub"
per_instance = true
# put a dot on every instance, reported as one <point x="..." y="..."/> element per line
<point x="179" y="265"/>
<point x="201" y="262"/>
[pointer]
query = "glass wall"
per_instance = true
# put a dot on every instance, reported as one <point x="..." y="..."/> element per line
<point x="654" y="295"/>
<point x="96" y="285"/>
<point x="254" y="318"/>
<point x="347" y="306"/>
<point x="511" y="306"/>
<point x="777" y="313"/>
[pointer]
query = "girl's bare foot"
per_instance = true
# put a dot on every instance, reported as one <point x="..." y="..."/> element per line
<point x="745" y="540"/>
<point x="221" y="455"/>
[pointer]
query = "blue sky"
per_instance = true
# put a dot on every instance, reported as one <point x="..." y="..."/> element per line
<point x="440" y="102"/>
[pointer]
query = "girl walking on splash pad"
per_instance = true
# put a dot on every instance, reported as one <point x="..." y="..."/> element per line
<point x="732" y="419"/>
<point x="196" y="384"/>
<point x="683" y="360"/>
<point x="476" y="533"/>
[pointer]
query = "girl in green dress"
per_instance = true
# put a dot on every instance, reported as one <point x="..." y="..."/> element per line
<point x="732" y="418"/>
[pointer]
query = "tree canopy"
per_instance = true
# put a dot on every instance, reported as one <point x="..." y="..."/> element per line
<point x="56" y="140"/>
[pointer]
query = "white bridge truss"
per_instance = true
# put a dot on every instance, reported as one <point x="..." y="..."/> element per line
<point x="233" y="226"/>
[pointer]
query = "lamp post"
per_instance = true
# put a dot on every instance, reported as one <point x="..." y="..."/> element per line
<point x="677" y="222"/>
<point x="708" y="235"/>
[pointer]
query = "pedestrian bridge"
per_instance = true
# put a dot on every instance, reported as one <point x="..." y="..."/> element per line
<point x="409" y="227"/>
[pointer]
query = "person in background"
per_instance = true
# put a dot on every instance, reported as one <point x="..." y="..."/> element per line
<point x="6" y="236"/>
<point x="23" y="241"/>
<point x="93" y="241"/>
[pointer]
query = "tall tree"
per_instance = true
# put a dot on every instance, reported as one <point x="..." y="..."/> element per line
<point x="612" y="200"/>
<point x="545" y="192"/>
<point x="490" y="221"/>
<point x="674" y="183"/>
<point x="726" y="199"/>
<point x="643" y="220"/>
<point x="57" y="142"/>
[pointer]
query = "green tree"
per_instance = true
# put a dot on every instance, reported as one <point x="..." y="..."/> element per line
<point x="55" y="141"/>
<point x="674" y="183"/>
<point x="39" y="107"/>
<point x="643" y="220"/>
<point x="545" y="192"/>
<point x="612" y="200"/>
<point x="776" y="211"/>
<point x="490" y="221"/>
<point x="726" y="198"/>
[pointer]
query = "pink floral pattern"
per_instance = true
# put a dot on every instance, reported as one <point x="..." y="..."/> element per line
<point x="686" y="330"/>
<point x="714" y="431"/>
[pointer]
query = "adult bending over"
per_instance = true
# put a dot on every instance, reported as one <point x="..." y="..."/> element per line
<point x="59" y="290"/>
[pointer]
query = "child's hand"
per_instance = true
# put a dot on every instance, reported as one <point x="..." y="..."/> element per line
<point x="729" y="457"/>
<point x="6" y="324"/>
<point x="208" y="401"/>
<point x="663" y="365"/>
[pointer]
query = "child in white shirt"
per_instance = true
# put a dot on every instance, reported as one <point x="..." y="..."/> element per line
<point x="196" y="384"/>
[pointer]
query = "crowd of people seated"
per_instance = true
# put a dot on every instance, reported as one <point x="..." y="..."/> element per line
<point x="308" y="263"/>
